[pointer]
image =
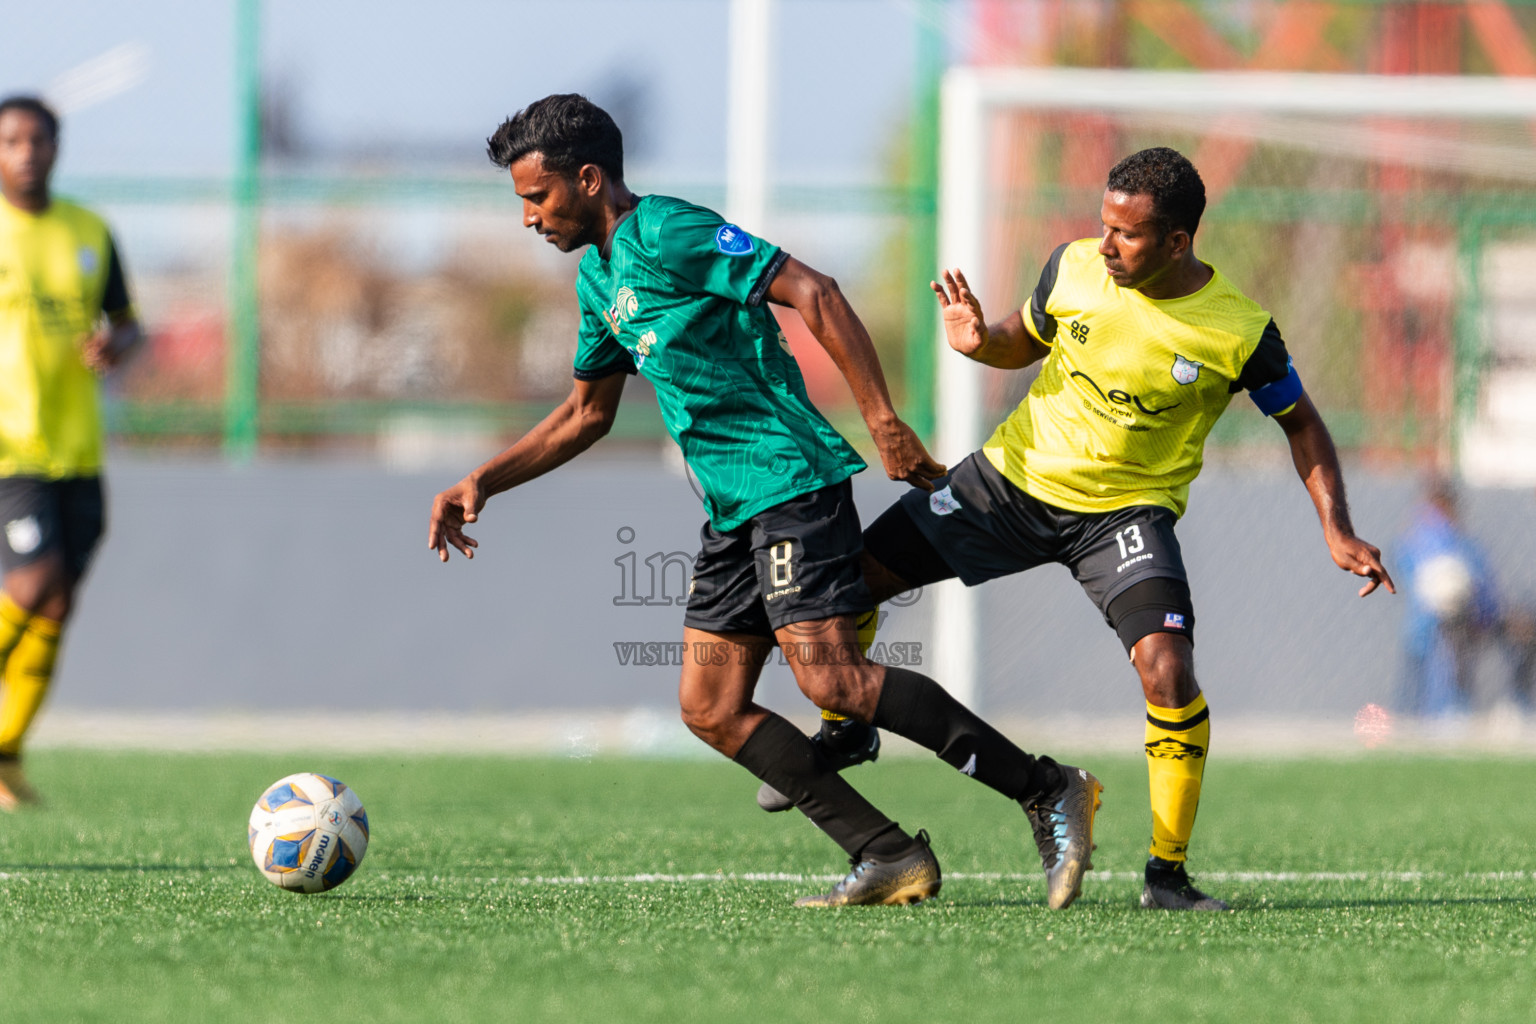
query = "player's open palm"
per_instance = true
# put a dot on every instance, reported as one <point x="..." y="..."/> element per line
<point x="964" y="325"/>
<point x="451" y="509"/>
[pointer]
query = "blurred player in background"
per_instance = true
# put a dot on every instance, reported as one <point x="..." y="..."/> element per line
<point x="65" y="317"/>
<point x="671" y="291"/>
<point x="1143" y="346"/>
<point x="1453" y="606"/>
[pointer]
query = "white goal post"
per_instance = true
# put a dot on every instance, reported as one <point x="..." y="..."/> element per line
<point x="1188" y="100"/>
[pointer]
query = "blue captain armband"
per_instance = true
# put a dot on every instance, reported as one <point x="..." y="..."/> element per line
<point x="1273" y="399"/>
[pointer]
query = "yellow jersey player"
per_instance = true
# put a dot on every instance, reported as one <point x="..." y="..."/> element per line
<point x="65" y="316"/>
<point x="1143" y="347"/>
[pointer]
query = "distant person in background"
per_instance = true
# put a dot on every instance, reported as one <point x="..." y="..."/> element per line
<point x="65" y="317"/>
<point x="1452" y="606"/>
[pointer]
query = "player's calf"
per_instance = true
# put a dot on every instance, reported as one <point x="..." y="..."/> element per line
<point x="844" y="742"/>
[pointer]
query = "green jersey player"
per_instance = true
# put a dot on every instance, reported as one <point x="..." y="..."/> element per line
<point x="672" y="292"/>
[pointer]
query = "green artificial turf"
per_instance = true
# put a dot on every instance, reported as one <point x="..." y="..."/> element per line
<point x="132" y="898"/>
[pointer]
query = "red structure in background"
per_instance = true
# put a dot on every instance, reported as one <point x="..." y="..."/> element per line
<point x="1405" y="293"/>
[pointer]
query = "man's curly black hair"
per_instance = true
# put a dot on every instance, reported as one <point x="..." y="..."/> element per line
<point x="1178" y="194"/>
<point x="569" y="130"/>
<point x="36" y="107"/>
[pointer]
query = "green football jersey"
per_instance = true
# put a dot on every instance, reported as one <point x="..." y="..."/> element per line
<point x="678" y="297"/>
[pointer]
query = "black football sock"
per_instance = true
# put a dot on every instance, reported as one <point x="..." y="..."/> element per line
<point x="782" y="756"/>
<point x="914" y="706"/>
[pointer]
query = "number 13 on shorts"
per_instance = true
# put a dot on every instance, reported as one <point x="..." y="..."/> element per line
<point x="1130" y="541"/>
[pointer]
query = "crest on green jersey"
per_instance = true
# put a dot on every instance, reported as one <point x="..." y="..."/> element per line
<point x="733" y="241"/>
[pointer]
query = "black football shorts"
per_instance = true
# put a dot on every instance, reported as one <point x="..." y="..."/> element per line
<point x="977" y="525"/>
<point x="41" y="517"/>
<point x="795" y="562"/>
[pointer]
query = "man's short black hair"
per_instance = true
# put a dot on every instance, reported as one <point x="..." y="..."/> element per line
<point x="35" y="106"/>
<point x="1178" y="194"/>
<point x="569" y="130"/>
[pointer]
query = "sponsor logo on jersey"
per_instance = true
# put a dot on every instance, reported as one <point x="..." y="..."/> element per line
<point x="1115" y="396"/>
<point x="643" y="347"/>
<point x="733" y="241"/>
<point x="1170" y="749"/>
<point x="1173" y="621"/>
<point x="943" y="502"/>
<point x="23" y="535"/>
<point x="88" y="260"/>
<point x="1185" y="371"/>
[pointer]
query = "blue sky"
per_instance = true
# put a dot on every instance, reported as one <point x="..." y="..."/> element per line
<point x="438" y="77"/>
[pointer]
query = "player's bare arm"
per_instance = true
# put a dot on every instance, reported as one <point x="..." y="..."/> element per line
<point x="1005" y="344"/>
<point x="1317" y="463"/>
<point x="574" y="426"/>
<point x="826" y="311"/>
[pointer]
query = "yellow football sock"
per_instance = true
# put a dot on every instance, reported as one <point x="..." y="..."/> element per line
<point x="13" y="623"/>
<point x="866" y="624"/>
<point x="1177" y="739"/>
<point x="28" y="672"/>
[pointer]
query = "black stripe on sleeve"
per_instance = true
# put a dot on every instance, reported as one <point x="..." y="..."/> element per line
<point x="115" y="299"/>
<point x="1045" y="323"/>
<point x="760" y="290"/>
<point x="1268" y="363"/>
<point x="625" y="365"/>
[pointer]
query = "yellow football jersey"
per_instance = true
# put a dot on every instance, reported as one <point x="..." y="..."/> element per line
<point x="1131" y="388"/>
<point x="55" y="271"/>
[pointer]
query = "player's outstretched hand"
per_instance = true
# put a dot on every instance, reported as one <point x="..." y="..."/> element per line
<point x="451" y="509"/>
<point x="904" y="457"/>
<point x="1354" y="555"/>
<point x="964" y="326"/>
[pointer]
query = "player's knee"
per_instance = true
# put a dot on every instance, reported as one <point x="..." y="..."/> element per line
<point x="43" y="588"/>
<point x="705" y="719"/>
<point x="1166" y="665"/>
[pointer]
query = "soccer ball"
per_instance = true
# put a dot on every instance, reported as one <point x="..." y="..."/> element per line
<point x="308" y="833"/>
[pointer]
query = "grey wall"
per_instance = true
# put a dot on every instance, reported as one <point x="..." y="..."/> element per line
<point x="309" y="585"/>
